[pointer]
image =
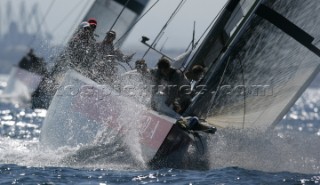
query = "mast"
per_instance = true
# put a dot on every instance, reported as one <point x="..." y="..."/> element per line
<point x="124" y="7"/>
<point x="158" y="37"/>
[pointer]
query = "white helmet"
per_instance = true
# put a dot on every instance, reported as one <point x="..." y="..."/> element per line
<point x="84" y="25"/>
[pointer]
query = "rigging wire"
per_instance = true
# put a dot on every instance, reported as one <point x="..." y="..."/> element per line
<point x="218" y="87"/>
<point x="124" y="7"/>
<point x="136" y="22"/>
<point x="244" y="94"/>
<point x="193" y="37"/>
<point x="65" y="18"/>
<point x="41" y="22"/>
<point x="114" y="23"/>
<point x="206" y="30"/>
<point x="169" y="20"/>
<point x="193" y="34"/>
<point x="75" y="23"/>
<point x="156" y="43"/>
<point x="164" y="44"/>
<point x="165" y="26"/>
<point x="1" y="22"/>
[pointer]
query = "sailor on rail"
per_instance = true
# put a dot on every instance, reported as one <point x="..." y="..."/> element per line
<point x="190" y="87"/>
<point x="106" y="47"/>
<point x="108" y="56"/>
<point x="137" y="83"/>
<point x="93" y="25"/>
<point x="33" y="63"/>
<point x="167" y="82"/>
<point x="80" y="49"/>
<point x="168" y="96"/>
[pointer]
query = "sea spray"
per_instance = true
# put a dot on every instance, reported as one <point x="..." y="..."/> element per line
<point x="271" y="151"/>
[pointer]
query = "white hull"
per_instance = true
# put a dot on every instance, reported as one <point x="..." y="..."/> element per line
<point x="85" y="113"/>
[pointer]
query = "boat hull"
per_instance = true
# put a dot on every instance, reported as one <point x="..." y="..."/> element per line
<point x="85" y="113"/>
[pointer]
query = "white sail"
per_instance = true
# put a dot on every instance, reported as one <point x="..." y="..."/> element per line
<point x="256" y="72"/>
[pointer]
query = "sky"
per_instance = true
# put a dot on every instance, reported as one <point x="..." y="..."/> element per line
<point x="179" y="32"/>
<point x="58" y="17"/>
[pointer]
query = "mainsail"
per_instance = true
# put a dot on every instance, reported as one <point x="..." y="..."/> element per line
<point x="256" y="71"/>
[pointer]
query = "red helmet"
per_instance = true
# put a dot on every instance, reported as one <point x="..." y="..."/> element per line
<point x="92" y="21"/>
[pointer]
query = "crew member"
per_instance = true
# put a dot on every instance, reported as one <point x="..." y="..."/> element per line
<point x="108" y="56"/>
<point x="189" y="89"/>
<point x="81" y="48"/>
<point x="93" y="25"/>
<point x="167" y="83"/>
<point x="33" y="63"/>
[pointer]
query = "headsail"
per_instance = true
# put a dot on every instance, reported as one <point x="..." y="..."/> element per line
<point x="256" y="71"/>
<point x="106" y="13"/>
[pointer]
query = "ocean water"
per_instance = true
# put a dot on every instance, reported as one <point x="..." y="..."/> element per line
<point x="287" y="155"/>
